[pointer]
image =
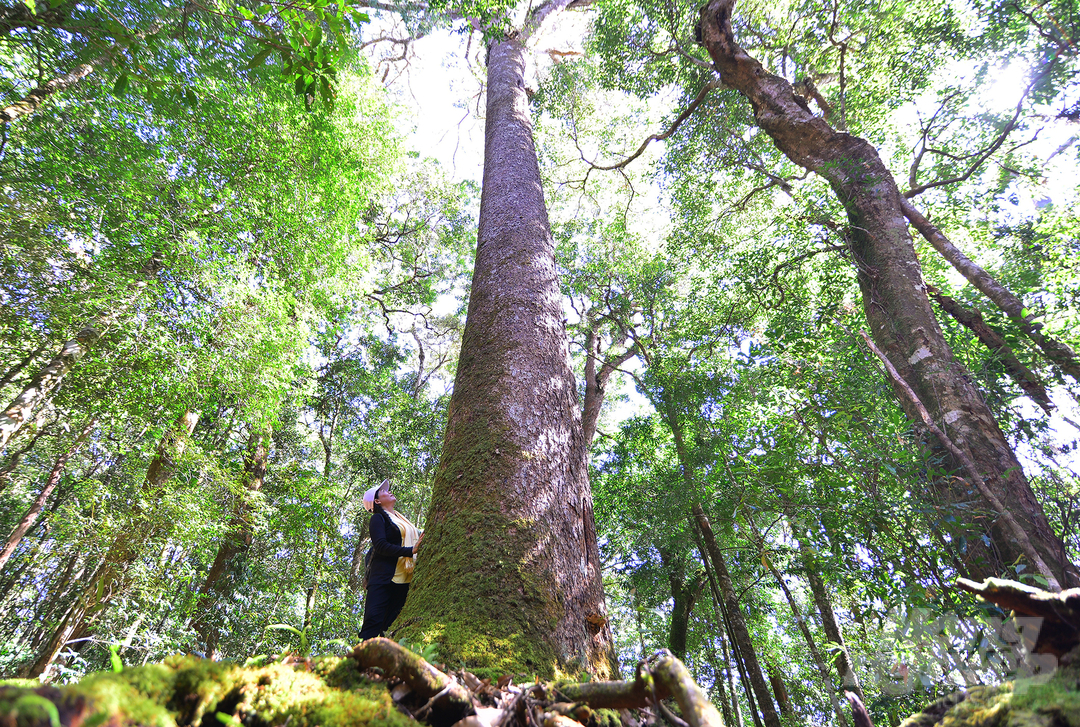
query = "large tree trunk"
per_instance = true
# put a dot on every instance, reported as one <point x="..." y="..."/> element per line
<point x="508" y="575"/>
<point x="894" y="298"/>
<point x="31" y="516"/>
<point x="125" y="548"/>
<point x="234" y="546"/>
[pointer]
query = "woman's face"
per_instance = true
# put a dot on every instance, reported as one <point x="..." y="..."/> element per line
<point x="386" y="499"/>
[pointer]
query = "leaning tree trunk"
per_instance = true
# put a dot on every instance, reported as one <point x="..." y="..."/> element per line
<point x="32" y="513"/>
<point x="124" y="550"/>
<point x="44" y="383"/>
<point x="234" y="546"/>
<point x="508" y="575"/>
<point x="895" y="299"/>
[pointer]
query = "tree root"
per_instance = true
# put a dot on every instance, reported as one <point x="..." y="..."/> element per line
<point x="444" y="695"/>
<point x="667" y="677"/>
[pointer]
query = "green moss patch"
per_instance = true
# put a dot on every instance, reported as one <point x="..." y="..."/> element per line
<point x="1036" y="702"/>
<point x="191" y="692"/>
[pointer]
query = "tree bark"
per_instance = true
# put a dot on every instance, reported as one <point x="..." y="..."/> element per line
<point x="741" y="633"/>
<point x="234" y="546"/>
<point x="509" y="553"/>
<point x="894" y="296"/>
<point x="1057" y="351"/>
<point x="125" y="548"/>
<point x="31" y="516"/>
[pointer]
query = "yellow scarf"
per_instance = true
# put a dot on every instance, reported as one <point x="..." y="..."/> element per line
<point x="409" y="536"/>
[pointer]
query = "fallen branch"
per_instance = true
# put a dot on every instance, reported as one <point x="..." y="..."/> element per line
<point x="969" y="468"/>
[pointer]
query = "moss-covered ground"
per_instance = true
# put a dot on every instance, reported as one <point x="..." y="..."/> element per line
<point x="186" y="690"/>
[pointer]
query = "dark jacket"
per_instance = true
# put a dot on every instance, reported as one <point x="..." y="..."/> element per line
<point x="386" y="548"/>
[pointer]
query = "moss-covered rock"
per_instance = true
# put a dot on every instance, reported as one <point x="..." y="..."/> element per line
<point x="1032" y="702"/>
<point x="187" y="691"/>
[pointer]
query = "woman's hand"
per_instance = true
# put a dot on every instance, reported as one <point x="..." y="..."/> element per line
<point x="416" y="545"/>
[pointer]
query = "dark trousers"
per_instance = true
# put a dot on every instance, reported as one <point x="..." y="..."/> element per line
<point x="383" y="604"/>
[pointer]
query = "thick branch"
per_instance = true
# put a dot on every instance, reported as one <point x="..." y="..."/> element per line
<point x="1058" y="352"/>
<point x="969" y="468"/>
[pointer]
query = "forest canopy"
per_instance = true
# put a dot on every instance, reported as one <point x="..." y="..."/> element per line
<point x="811" y="314"/>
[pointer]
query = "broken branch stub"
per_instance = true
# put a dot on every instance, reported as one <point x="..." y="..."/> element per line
<point x="450" y="699"/>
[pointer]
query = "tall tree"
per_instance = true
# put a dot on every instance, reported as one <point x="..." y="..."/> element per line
<point x="510" y="554"/>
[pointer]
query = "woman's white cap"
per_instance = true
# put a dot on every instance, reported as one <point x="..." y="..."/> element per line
<point x="369" y="495"/>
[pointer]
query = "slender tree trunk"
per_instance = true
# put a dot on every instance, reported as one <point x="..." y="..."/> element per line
<point x="776" y="679"/>
<point x="234" y="546"/>
<point x="894" y="296"/>
<point x="741" y="633"/>
<point x="796" y="613"/>
<point x="40" y="388"/>
<point x="509" y="553"/>
<point x="125" y="548"/>
<point x="829" y="623"/>
<point x="1057" y="351"/>
<point x="596" y="380"/>
<point x="16" y="457"/>
<point x="38" y="504"/>
<point x="684" y="594"/>
<point x="728" y="638"/>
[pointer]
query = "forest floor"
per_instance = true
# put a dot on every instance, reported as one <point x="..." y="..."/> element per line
<point x="382" y="684"/>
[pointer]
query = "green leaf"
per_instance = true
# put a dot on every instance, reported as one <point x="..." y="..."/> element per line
<point x="259" y="58"/>
<point x="120" y="85"/>
<point x="316" y="35"/>
<point x="114" y="658"/>
<point x="32" y="5"/>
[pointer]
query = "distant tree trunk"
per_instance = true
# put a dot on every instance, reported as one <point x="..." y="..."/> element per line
<point x="41" y="386"/>
<point x="596" y="380"/>
<point x="734" y="612"/>
<point x="796" y="613"/>
<point x="20" y="365"/>
<point x="234" y="546"/>
<point x="509" y="553"/>
<point x="31" y="516"/>
<point x="16" y="457"/>
<point x="684" y="594"/>
<point x="829" y="623"/>
<point x="776" y="679"/>
<point x="894" y="298"/>
<point x="125" y="548"/>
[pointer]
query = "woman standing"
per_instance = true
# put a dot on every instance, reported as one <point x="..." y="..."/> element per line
<point x="394" y="543"/>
